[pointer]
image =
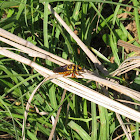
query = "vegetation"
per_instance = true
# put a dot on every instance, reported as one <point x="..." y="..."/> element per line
<point x="99" y="24"/>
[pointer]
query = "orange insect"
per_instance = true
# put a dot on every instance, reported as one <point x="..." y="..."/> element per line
<point x="69" y="69"/>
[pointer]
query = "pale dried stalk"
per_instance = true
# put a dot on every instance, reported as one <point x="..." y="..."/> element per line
<point x="129" y="64"/>
<point x="57" y="116"/>
<point x="97" y="98"/>
<point x="27" y="108"/>
<point x="129" y="92"/>
<point x="51" y="57"/>
<point x="24" y="49"/>
<point x="77" y="88"/>
<point x="129" y="47"/>
<point x="123" y="126"/>
<point x="122" y="89"/>
<point x="43" y="54"/>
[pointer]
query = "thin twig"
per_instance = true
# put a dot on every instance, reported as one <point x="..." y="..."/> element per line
<point x="28" y="106"/>
<point x="123" y="126"/>
<point x="57" y="116"/>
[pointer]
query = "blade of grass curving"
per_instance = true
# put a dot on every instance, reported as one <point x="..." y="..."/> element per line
<point x="22" y="82"/>
<point x="27" y="108"/>
<point x="52" y="95"/>
<point x="83" y="134"/>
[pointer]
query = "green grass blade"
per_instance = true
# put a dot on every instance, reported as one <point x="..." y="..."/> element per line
<point x="83" y="134"/>
<point x="94" y="122"/>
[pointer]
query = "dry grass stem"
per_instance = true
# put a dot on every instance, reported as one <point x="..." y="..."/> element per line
<point x="79" y="89"/>
<point x="95" y="97"/>
<point x="128" y="46"/>
<point x="51" y="57"/>
<point x="128" y="102"/>
<point x="57" y="116"/>
<point x="123" y="126"/>
<point x="122" y="89"/>
<point x="129" y="64"/>
<point x="30" y="52"/>
<point x="27" y="108"/>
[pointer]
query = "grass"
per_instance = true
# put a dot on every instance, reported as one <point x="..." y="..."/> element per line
<point x="99" y="26"/>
